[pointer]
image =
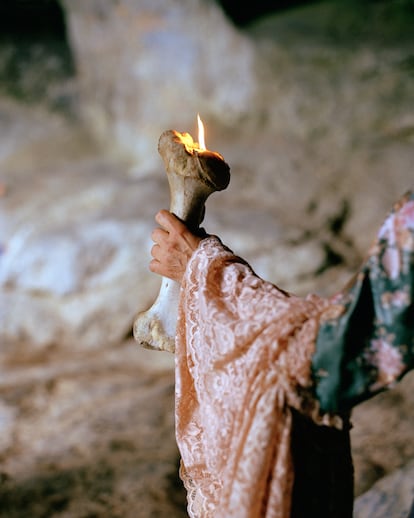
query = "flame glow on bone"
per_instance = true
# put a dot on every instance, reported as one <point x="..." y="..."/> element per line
<point x="201" y="137"/>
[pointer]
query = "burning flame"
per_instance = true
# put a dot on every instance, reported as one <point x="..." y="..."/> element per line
<point x="201" y="137"/>
<point x="191" y="146"/>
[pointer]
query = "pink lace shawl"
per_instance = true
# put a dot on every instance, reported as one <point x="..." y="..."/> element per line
<point x="243" y="354"/>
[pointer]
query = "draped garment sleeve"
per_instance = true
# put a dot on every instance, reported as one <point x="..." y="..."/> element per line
<point x="243" y="355"/>
<point x="250" y="357"/>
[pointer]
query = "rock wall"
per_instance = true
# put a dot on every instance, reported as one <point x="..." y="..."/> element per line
<point x="319" y="151"/>
<point x="318" y="133"/>
<point x="150" y="65"/>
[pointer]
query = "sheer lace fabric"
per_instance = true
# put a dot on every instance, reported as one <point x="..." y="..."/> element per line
<point x="248" y="355"/>
<point x="243" y="356"/>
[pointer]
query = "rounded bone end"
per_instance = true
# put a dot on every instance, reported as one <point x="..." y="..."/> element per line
<point x="183" y="157"/>
<point x="150" y="333"/>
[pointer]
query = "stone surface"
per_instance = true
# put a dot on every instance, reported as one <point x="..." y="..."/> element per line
<point x="382" y="434"/>
<point x="70" y="236"/>
<point x="164" y="62"/>
<point x="391" y="496"/>
<point x="89" y="435"/>
<point x="318" y="153"/>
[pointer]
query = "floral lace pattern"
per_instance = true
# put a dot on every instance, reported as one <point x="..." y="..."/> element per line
<point x="249" y="355"/>
<point x="243" y="349"/>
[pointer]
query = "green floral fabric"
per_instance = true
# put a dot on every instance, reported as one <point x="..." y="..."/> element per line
<point x="367" y="344"/>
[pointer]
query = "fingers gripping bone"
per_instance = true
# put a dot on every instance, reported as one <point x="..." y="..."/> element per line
<point x="192" y="175"/>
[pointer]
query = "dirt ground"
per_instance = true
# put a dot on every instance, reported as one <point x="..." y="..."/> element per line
<point x="90" y="436"/>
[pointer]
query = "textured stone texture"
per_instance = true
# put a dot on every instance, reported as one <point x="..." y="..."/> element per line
<point x="318" y="134"/>
<point x="390" y="497"/>
<point x="163" y="62"/>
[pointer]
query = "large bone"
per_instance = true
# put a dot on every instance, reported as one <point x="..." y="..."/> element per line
<point x="193" y="174"/>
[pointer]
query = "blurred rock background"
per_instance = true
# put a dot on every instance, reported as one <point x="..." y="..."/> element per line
<point x="310" y="103"/>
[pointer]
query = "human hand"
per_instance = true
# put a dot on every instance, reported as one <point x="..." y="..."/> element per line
<point x="174" y="245"/>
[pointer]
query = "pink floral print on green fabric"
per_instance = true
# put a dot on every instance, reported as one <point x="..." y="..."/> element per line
<point x="370" y="346"/>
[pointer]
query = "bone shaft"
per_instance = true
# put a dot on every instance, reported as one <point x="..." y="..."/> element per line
<point x="187" y="201"/>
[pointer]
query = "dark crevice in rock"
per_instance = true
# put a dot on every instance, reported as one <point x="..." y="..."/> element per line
<point x="332" y="258"/>
<point x="32" y="18"/>
<point x="338" y="221"/>
<point x="36" y="61"/>
<point x="243" y="13"/>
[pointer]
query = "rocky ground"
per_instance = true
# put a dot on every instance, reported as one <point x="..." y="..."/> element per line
<point x="86" y="416"/>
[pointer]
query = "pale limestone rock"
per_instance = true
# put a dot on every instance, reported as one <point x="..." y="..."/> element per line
<point x="70" y="235"/>
<point x="165" y="60"/>
<point x="382" y="434"/>
<point x="390" y="497"/>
